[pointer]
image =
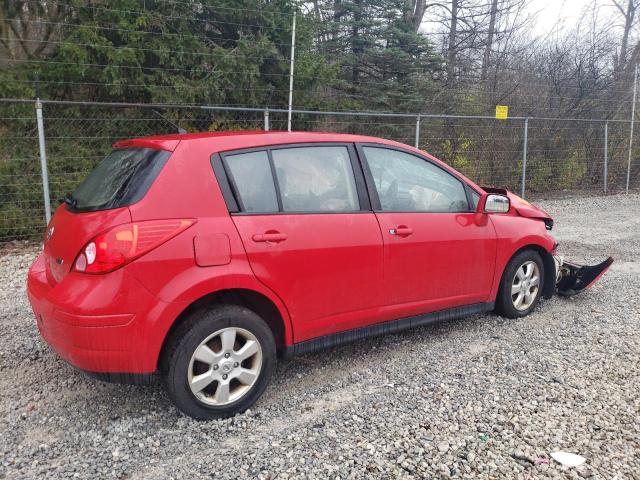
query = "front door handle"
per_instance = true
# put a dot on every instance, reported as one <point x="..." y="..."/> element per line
<point x="401" y="231"/>
<point x="269" y="236"/>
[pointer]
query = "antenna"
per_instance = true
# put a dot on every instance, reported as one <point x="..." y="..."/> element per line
<point x="179" y="129"/>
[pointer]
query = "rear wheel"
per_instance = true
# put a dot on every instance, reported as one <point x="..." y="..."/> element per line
<point x="219" y="362"/>
<point x="521" y="285"/>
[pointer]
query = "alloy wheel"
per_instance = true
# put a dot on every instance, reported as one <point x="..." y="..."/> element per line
<point x="525" y="285"/>
<point x="225" y="366"/>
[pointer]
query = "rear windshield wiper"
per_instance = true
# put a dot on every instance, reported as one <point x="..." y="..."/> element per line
<point x="70" y="200"/>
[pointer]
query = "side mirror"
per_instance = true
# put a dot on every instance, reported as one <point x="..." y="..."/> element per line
<point x="496" y="204"/>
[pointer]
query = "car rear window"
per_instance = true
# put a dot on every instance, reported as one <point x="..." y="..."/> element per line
<point x="121" y="179"/>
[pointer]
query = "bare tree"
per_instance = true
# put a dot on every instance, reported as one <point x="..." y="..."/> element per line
<point x="452" y="45"/>
<point x="27" y="28"/>
<point x="490" y="34"/>
<point x="628" y="14"/>
<point x="414" y="11"/>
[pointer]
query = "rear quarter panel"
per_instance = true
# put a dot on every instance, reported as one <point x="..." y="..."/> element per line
<point x="187" y="188"/>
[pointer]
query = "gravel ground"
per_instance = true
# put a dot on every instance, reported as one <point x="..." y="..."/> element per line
<point x="482" y="397"/>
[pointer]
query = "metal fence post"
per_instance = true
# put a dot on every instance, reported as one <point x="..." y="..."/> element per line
<point x="524" y="157"/>
<point x="293" y="56"/>
<point x="266" y="120"/>
<point x="606" y="155"/>
<point x="43" y="161"/>
<point x="633" y="117"/>
<point x="417" y="143"/>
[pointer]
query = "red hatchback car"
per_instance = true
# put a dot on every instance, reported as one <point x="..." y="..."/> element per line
<point x="203" y="256"/>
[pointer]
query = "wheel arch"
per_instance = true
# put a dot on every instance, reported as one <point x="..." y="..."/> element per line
<point x="547" y="261"/>
<point x="256" y="301"/>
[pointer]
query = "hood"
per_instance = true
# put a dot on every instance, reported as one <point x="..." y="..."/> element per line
<point x="522" y="207"/>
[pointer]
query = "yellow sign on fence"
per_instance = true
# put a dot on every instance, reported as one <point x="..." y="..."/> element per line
<point x="502" y="112"/>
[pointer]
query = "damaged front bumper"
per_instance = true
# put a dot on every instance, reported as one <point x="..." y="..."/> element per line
<point x="572" y="279"/>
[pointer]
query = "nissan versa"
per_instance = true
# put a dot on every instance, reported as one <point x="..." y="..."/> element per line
<point x="201" y="257"/>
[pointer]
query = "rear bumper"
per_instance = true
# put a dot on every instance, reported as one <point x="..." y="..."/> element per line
<point x="99" y="323"/>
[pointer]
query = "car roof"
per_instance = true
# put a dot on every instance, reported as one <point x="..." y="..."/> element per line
<point x="216" y="142"/>
<point x="238" y="139"/>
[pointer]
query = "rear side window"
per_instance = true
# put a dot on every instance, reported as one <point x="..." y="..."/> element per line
<point x="253" y="182"/>
<point x="121" y="179"/>
<point x="315" y="179"/>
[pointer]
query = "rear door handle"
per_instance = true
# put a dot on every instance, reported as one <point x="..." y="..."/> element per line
<point x="401" y="231"/>
<point x="269" y="237"/>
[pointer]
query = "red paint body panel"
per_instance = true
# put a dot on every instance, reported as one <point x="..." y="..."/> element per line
<point x="332" y="272"/>
<point x="327" y="270"/>
<point x="150" y="142"/>
<point x="448" y="260"/>
<point x="211" y="249"/>
<point x="513" y="233"/>
<point x="100" y="323"/>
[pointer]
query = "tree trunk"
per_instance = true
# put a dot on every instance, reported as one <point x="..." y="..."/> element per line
<point x="453" y="38"/>
<point x="414" y="13"/>
<point x="629" y="16"/>
<point x="487" y="48"/>
<point x="356" y="42"/>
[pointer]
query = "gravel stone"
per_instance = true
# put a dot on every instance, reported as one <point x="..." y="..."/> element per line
<point x="482" y="397"/>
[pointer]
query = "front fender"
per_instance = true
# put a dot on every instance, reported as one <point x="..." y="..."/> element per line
<point x="515" y="233"/>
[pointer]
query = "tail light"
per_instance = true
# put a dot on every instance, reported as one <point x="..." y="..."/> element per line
<point x="120" y="245"/>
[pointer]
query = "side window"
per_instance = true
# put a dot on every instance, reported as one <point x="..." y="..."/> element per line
<point x="407" y="183"/>
<point x="475" y="198"/>
<point x="253" y="182"/>
<point x="315" y="179"/>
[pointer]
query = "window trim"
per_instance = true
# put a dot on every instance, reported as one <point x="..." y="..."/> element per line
<point x="230" y="191"/>
<point x="224" y="182"/>
<point x="373" y="192"/>
<point x="470" y="191"/>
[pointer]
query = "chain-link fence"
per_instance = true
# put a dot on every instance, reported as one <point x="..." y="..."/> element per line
<point x="532" y="156"/>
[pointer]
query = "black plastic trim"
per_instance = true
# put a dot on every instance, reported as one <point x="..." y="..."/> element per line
<point x="223" y="181"/>
<point x="549" y="264"/>
<point x="276" y="182"/>
<point x="368" y="178"/>
<point x="384" y="328"/>
<point x="470" y="191"/>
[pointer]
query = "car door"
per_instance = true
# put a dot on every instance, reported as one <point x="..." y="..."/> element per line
<point x="305" y="220"/>
<point x="438" y="252"/>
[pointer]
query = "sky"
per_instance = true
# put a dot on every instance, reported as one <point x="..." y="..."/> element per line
<point x="556" y="15"/>
<point x="566" y="13"/>
<point x="552" y="12"/>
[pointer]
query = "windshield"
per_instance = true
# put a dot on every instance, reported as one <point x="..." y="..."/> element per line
<point x="121" y="179"/>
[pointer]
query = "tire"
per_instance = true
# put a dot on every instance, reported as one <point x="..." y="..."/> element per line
<point x="195" y="355"/>
<point x="519" y="303"/>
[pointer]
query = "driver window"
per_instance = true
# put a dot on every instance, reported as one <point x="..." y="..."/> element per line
<point x="407" y="183"/>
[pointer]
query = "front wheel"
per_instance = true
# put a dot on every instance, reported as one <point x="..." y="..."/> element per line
<point x="521" y="286"/>
<point x="219" y="362"/>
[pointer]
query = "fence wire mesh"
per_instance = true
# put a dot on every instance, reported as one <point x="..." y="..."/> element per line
<point x="561" y="154"/>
